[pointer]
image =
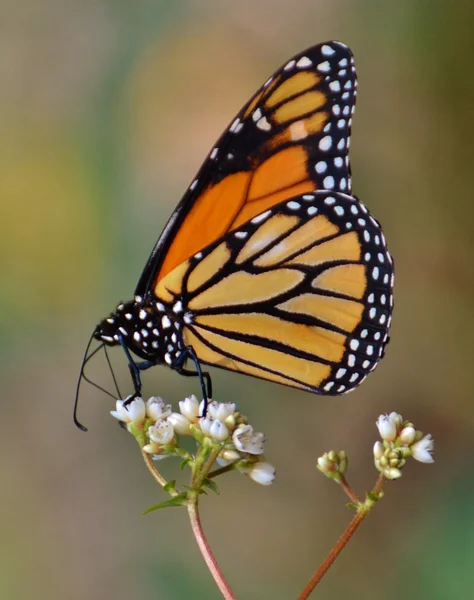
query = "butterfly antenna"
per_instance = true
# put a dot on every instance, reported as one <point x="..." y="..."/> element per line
<point x="112" y="372"/>
<point x="82" y="376"/>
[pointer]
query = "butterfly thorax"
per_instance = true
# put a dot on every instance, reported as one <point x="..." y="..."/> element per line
<point x="150" y="329"/>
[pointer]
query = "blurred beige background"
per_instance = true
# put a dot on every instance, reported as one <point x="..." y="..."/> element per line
<point x="107" y="109"/>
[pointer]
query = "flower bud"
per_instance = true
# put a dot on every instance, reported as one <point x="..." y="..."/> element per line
<point x="378" y="450"/>
<point x="218" y="431"/>
<point x="262" y="472"/>
<point x="189" y="408"/>
<point x="227" y="456"/>
<point x="392" y="473"/>
<point x="387" y="427"/>
<point x="407" y="435"/>
<point x="180" y="423"/>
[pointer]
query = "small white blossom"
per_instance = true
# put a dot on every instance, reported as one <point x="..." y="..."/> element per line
<point x="162" y="432"/>
<point x="220" y="411"/>
<point x="247" y="440"/>
<point x="422" y="449"/>
<point x="218" y="431"/>
<point x="262" y="472"/>
<point x="189" y="408"/>
<point x="156" y="408"/>
<point x="134" y="412"/>
<point x="407" y="435"/>
<point x="387" y="426"/>
<point x="180" y="423"/>
<point x="205" y="425"/>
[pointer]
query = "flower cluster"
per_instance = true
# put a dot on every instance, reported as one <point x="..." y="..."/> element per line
<point x="400" y="440"/>
<point x="222" y="429"/>
<point x="333" y="464"/>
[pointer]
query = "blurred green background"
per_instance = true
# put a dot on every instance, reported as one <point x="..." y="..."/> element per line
<point x="107" y="110"/>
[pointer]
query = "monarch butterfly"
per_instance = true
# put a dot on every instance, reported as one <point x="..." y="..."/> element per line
<point x="268" y="266"/>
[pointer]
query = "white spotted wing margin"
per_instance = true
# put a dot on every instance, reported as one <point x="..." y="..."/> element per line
<point x="300" y="295"/>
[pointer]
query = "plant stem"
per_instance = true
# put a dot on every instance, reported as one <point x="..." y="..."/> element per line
<point x="204" y="468"/>
<point x="206" y="550"/>
<point x="151" y="467"/>
<point x="363" y="510"/>
<point x="349" y="491"/>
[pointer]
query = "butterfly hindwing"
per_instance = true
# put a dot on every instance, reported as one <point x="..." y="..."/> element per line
<point x="300" y="294"/>
<point x="291" y="138"/>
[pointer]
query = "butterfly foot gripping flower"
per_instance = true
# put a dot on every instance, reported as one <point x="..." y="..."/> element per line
<point x="224" y="439"/>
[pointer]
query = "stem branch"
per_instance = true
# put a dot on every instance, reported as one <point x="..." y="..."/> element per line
<point x="151" y="467"/>
<point x="206" y="549"/>
<point x="363" y="510"/>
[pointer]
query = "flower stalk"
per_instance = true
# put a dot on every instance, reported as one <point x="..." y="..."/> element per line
<point x="225" y="438"/>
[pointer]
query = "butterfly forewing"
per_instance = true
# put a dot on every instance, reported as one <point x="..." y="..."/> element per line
<point x="291" y="138"/>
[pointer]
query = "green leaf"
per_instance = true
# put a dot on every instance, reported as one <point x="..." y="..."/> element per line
<point x="212" y="485"/>
<point x="352" y="506"/>
<point x="184" y="463"/>
<point x="373" y="496"/>
<point x="179" y="500"/>
<point x="170" y="486"/>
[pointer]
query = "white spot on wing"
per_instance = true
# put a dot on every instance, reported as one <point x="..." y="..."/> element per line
<point x="324" y="67"/>
<point x="325" y="143"/>
<point x="263" y="124"/>
<point x="328" y="51"/>
<point x="303" y="62"/>
<point x="262" y="217"/>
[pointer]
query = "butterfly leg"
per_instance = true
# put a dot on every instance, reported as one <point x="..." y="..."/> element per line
<point x="204" y="376"/>
<point x="134" y="369"/>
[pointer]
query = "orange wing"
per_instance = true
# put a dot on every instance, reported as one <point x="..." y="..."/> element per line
<point x="291" y="138"/>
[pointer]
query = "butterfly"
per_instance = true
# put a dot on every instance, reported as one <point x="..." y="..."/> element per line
<point x="269" y="266"/>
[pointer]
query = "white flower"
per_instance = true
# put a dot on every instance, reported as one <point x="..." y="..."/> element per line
<point x="205" y="425"/>
<point x="156" y="408"/>
<point x="247" y="440"/>
<point x="214" y="428"/>
<point x="133" y="412"/>
<point x="422" y="449"/>
<point x="189" y="408"/>
<point x="220" y="410"/>
<point x="378" y="450"/>
<point x="407" y="435"/>
<point x="219" y="431"/>
<point x="262" y="472"/>
<point x="162" y="432"/>
<point x="181" y="424"/>
<point x="387" y="426"/>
